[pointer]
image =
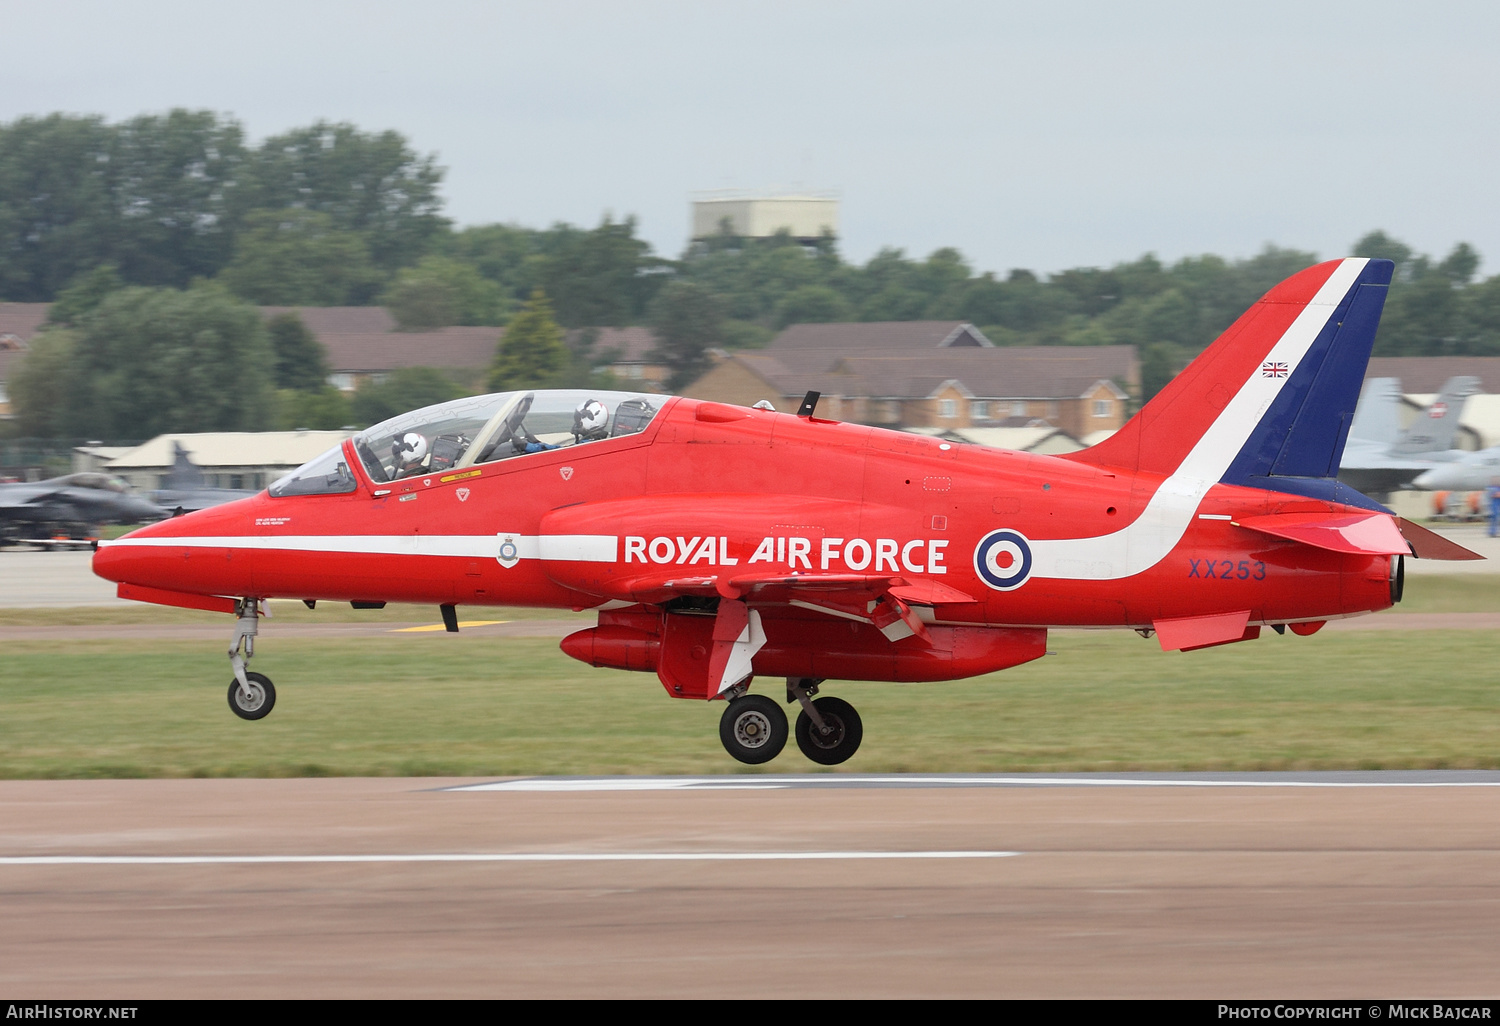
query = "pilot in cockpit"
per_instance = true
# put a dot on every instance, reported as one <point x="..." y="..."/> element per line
<point x="410" y="454"/>
<point x="590" y="421"/>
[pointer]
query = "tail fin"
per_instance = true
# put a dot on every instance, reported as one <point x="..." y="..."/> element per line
<point x="1269" y="404"/>
<point x="1433" y="431"/>
<point x="1377" y="418"/>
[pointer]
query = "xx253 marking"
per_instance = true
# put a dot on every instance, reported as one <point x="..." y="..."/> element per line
<point x="1227" y="569"/>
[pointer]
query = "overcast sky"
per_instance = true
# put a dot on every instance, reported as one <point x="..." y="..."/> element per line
<point x="1040" y="135"/>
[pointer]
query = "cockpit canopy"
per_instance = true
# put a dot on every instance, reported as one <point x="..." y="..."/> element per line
<point x="476" y="430"/>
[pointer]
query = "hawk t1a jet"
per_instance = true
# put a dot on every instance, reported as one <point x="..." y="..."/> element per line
<point x="721" y="544"/>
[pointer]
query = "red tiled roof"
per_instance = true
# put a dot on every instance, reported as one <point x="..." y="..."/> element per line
<point x="1016" y="372"/>
<point x="338" y="320"/>
<point x="630" y="345"/>
<point x="1427" y="373"/>
<point x="865" y="336"/>
<point x="23" y="319"/>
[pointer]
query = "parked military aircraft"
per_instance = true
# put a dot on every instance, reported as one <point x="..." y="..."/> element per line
<point x="1380" y="458"/>
<point x="718" y="543"/>
<point x="184" y="488"/>
<point x="73" y="506"/>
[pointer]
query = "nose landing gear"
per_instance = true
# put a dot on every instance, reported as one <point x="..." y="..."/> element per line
<point x="251" y="695"/>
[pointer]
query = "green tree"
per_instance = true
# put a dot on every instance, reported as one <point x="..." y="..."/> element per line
<point x="301" y="360"/>
<point x="323" y="409"/>
<point x="39" y="384"/>
<point x="440" y="291"/>
<point x="57" y="215"/>
<point x="154" y="360"/>
<point x="409" y="388"/>
<point x="176" y="196"/>
<point x="605" y="276"/>
<point x="296" y="257"/>
<point x="84" y="294"/>
<point x="532" y="352"/>
<point x="813" y="304"/>
<point x="689" y="321"/>
<point x="369" y="183"/>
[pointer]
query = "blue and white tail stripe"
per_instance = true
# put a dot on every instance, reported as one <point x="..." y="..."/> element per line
<point x="1266" y="425"/>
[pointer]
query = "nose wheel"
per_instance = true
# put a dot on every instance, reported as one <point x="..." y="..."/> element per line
<point x="251" y="695"/>
<point x="253" y="699"/>
<point x="753" y="729"/>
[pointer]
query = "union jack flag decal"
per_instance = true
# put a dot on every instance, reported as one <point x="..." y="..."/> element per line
<point x="1273" y="370"/>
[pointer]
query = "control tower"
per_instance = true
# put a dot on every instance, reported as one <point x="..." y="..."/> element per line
<point x="761" y="214"/>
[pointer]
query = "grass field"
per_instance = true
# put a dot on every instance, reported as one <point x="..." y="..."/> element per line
<point x="419" y="704"/>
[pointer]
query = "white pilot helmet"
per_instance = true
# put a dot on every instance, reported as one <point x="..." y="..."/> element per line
<point x="591" y="416"/>
<point x="412" y="448"/>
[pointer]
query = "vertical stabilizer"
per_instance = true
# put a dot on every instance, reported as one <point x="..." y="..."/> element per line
<point x="1270" y="403"/>
<point x="1377" y="418"/>
<point x="1433" y="431"/>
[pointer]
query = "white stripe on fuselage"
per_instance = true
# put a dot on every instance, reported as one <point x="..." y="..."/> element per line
<point x="586" y="548"/>
<point x="1146" y="542"/>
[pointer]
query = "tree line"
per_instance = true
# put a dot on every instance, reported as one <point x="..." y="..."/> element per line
<point x="155" y="236"/>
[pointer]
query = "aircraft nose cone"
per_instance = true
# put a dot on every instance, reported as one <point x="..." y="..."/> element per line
<point x="1431" y="480"/>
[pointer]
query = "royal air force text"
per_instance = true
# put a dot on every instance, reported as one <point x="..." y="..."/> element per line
<point x="922" y="555"/>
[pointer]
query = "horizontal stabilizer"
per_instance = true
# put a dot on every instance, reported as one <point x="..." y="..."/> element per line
<point x="1427" y="544"/>
<point x="1190" y="632"/>
<point x="1368" y="534"/>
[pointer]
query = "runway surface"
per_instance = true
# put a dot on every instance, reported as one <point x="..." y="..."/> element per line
<point x="826" y="885"/>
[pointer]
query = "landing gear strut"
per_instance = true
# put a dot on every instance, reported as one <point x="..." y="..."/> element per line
<point x="753" y="729"/>
<point x="828" y="730"/>
<point x="251" y="695"/>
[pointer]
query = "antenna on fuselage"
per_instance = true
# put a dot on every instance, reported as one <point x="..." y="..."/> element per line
<point x="809" y="403"/>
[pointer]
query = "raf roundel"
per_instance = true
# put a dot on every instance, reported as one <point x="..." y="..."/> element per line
<point x="1002" y="559"/>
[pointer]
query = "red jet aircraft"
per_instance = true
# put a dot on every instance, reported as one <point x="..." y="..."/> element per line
<point x="719" y="542"/>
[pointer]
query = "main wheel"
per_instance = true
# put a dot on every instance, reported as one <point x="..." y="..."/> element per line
<point x="843" y="737"/>
<point x="753" y="729"/>
<point x="255" y="704"/>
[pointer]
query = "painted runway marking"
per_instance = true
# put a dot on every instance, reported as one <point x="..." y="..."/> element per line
<point x="767" y="783"/>
<point x="617" y="856"/>
<point x="441" y="627"/>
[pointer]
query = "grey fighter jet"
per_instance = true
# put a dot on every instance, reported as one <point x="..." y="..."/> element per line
<point x="1379" y="458"/>
<point x="73" y="506"/>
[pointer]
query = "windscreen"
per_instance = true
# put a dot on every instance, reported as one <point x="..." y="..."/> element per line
<point x="329" y="474"/>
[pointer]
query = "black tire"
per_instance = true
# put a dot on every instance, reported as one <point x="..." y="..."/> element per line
<point x="255" y="707"/>
<point x="840" y="743"/>
<point x="753" y="729"/>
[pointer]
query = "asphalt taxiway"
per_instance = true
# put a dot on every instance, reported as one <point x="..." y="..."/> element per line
<point x="751" y="885"/>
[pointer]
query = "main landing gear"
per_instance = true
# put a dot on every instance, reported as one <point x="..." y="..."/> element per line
<point x="251" y="695"/>
<point x="754" y="729"/>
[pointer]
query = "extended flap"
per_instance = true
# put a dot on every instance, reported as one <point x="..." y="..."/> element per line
<point x="1368" y="534"/>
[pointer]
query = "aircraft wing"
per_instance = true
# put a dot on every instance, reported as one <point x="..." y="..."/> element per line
<point x="883" y="600"/>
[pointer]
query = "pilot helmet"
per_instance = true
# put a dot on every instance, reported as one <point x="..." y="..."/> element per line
<point x="411" y="448"/>
<point x="592" y="416"/>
